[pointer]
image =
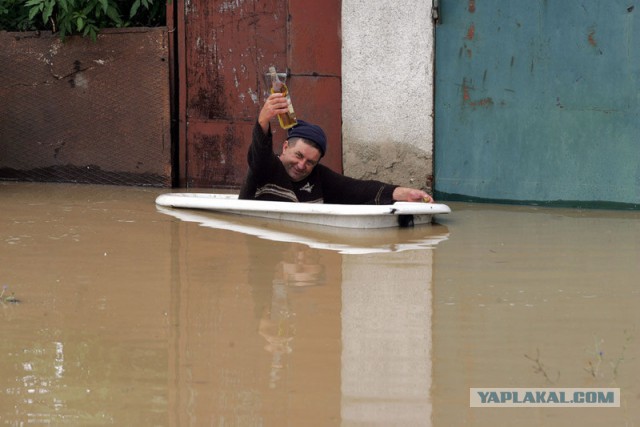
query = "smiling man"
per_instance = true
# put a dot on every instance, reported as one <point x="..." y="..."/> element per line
<point x="296" y="175"/>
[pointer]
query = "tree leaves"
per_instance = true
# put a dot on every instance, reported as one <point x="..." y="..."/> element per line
<point x="84" y="17"/>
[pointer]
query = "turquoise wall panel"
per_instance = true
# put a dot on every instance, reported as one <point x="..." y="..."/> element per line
<point x="538" y="101"/>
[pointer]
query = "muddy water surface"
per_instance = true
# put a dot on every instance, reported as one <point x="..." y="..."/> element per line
<point x="129" y="315"/>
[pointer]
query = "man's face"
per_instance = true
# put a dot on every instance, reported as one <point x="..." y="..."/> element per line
<point x="299" y="158"/>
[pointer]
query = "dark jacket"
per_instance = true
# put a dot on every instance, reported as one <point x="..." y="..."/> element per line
<point x="267" y="179"/>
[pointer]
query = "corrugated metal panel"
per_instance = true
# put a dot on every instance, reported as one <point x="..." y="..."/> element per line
<point x="84" y="111"/>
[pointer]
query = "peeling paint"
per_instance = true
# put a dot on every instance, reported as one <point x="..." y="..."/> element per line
<point x="55" y="47"/>
<point x="43" y="58"/>
<point x="230" y="6"/>
<point x="236" y="83"/>
<point x="188" y="7"/>
<point x="254" y="96"/>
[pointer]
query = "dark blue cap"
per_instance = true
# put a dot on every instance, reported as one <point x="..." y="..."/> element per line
<point x="311" y="132"/>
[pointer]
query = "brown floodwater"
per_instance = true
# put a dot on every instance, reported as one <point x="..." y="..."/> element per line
<point x="131" y="315"/>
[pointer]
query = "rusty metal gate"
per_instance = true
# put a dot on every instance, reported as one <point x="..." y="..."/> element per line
<point x="224" y="49"/>
<point x="86" y="112"/>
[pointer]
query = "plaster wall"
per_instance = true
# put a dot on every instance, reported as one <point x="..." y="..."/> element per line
<point x="387" y="91"/>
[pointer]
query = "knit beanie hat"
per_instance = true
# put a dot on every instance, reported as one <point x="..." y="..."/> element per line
<point x="311" y="132"/>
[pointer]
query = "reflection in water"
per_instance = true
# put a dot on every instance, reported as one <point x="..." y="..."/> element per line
<point x="342" y="240"/>
<point x="315" y="311"/>
<point x="386" y="310"/>
<point x="237" y="364"/>
<point x="41" y="372"/>
<point x="386" y="339"/>
<point x="277" y="328"/>
<point x="86" y="344"/>
<point x="299" y="267"/>
<point x="532" y="297"/>
<point x="129" y="316"/>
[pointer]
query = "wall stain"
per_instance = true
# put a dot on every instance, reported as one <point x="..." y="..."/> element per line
<point x="471" y="32"/>
<point x="213" y="158"/>
<point x="466" y="97"/>
<point x="404" y="164"/>
<point x="210" y="103"/>
<point x="56" y="151"/>
<point x="591" y="38"/>
<point x="465" y="49"/>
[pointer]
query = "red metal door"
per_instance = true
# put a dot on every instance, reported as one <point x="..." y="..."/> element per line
<point x="227" y="47"/>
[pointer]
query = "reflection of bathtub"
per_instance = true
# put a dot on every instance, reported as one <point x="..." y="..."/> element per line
<point x="342" y="240"/>
<point x="334" y="215"/>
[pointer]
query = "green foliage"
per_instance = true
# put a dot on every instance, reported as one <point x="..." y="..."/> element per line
<point x="85" y="17"/>
<point x="14" y="16"/>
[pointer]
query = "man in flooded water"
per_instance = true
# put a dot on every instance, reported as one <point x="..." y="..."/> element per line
<point x="296" y="175"/>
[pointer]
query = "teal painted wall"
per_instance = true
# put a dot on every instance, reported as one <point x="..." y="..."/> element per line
<point x="538" y="101"/>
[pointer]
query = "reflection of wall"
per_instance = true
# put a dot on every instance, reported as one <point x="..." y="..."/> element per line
<point x="386" y="338"/>
<point x="216" y="330"/>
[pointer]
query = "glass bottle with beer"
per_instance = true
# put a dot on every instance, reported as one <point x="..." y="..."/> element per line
<point x="287" y="120"/>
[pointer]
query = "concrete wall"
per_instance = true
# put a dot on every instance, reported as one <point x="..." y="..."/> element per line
<point x="387" y="91"/>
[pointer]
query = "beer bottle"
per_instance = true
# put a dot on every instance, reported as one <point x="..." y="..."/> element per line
<point x="287" y="120"/>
